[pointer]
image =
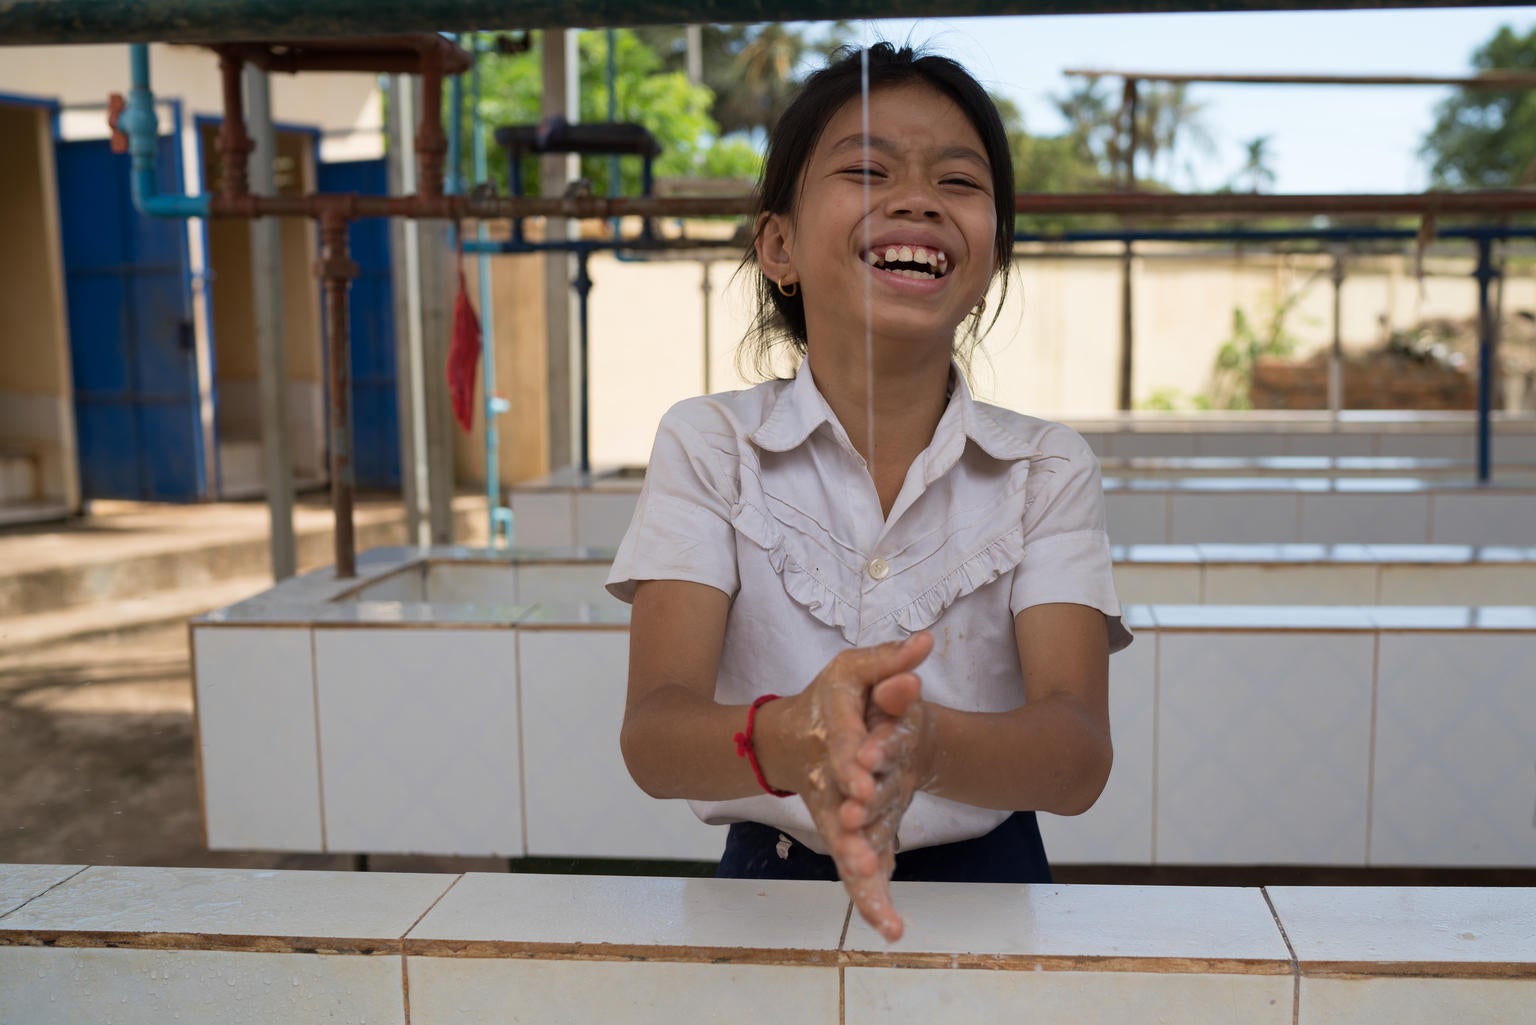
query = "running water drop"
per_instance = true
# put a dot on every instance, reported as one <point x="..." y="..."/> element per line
<point x="869" y="278"/>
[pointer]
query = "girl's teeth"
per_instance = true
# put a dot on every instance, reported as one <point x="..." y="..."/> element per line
<point x="920" y="254"/>
<point x="870" y="258"/>
<point x="906" y="254"/>
<point x="892" y="255"/>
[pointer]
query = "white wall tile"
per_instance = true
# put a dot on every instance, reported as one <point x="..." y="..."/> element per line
<point x="1421" y="445"/>
<point x="473" y="583"/>
<point x="1157" y="584"/>
<point x="406" y="585"/>
<point x="1132" y="444"/>
<point x="419" y="741"/>
<point x="1409" y="1001"/>
<point x="1453" y="783"/>
<point x="1258" y="583"/>
<point x="1247" y="445"/>
<point x="1136" y="517"/>
<point x="1483" y="518"/>
<point x="1342" y="517"/>
<point x="70" y="986"/>
<point x="1118" y="828"/>
<point x="1263" y="742"/>
<point x="1248" y="516"/>
<point x="510" y="991"/>
<point x="543" y="519"/>
<point x="907" y="996"/>
<point x="1481" y="584"/>
<point x="581" y="801"/>
<point x="256" y="738"/>
<point x="562" y="583"/>
<point x="602" y="517"/>
<point x="1334" y="444"/>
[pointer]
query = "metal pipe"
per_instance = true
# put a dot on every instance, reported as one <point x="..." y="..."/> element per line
<point x="235" y="144"/>
<point x="336" y="270"/>
<point x="142" y="127"/>
<point x="1485" y="359"/>
<point x="499" y="527"/>
<point x="34" y="22"/>
<point x="583" y="286"/>
<point x="1336" y="355"/>
<point x="1488" y="80"/>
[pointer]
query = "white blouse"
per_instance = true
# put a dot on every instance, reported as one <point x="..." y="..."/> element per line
<point x="760" y="494"/>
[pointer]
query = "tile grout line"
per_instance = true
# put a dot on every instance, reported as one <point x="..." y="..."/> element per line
<point x="45" y="892"/>
<point x="314" y="693"/>
<point x="405" y="975"/>
<point x="1370" y="756"/>
<point x="1157" y="677"/>
<point x="842" y="979"/>
<point x="522" y="738"/>
<point x="1295" y="961"/>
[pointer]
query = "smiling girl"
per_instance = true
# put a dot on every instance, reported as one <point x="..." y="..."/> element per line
<point x="924" y="578"/>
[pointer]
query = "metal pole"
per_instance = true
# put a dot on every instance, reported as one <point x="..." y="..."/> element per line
<point x="1336" y="356"/>
<point x="499" y="527"/>
<point x="1485" y="357"/>
<point x="705" y="288"/>
<point x="583" y="286"/>
<point x="337" y="269"/>
<point x="1128" y="256"/>
<point x="271" y="354"/>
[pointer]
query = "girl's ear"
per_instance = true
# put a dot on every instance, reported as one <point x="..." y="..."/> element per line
<point x="775" y="245"/>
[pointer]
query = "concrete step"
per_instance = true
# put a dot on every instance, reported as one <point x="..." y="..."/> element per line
<point x="90" y="622"/>
<point x="18" y="479"/>
<point x="109" y="559"/>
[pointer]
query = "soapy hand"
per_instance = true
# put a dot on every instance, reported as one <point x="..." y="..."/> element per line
<point x="863" y="712"/>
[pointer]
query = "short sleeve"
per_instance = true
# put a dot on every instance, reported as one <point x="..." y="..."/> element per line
<point x="682" y="529"/>
<point x="1066" y="540"/>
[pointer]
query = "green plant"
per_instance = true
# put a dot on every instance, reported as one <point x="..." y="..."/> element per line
<point x="1249" y="342"/>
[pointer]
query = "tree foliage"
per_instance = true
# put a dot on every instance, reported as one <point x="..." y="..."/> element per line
<point x="676" y="111"/>
<point x="1483" y="138"/>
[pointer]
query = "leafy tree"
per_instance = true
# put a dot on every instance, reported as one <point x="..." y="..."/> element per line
<point x="1485" y="138"/>
<point x="1167" y="123"/>
<point x="674" y="110"/>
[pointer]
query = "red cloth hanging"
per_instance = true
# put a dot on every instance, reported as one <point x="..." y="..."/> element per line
<point x="463" y="356"/>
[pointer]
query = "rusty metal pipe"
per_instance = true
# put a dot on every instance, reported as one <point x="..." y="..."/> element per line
<point x="235" y="144"/>
<point x="336" y="270"/>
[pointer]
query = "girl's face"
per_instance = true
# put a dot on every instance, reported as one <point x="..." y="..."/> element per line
<point x="908" y="209"/>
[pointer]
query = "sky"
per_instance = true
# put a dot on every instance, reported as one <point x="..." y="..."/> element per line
<point x="1323" y="138"/>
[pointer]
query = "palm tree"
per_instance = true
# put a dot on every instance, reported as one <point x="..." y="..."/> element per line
<point x="1168" y="120"/>
<point x="1090" y="122"/>
<point x="1257" y="172"/>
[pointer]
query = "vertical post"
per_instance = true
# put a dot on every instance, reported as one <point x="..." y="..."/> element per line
<point x="234" y="144"/>
<point x="271" y="352"/>
<point x="1128" y="257"/>
<point x="695" y="38"/>
<point x="555" y="171"/>
<point x="704" y="287"/>
<point x="337" y="269"/>
<point x="1485" y="358"/>
<point x="583" y="286"/>
<point x="405" y="236"/>
<point x="1336" y="355"/>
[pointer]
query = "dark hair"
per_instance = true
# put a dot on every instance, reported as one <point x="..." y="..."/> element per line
<point x="781" y="318"/>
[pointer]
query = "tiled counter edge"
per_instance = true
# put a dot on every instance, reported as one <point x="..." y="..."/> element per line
<point x="141" y="945"/>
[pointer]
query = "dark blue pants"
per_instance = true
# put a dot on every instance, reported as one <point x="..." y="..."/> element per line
<point x="1011" y="853"/>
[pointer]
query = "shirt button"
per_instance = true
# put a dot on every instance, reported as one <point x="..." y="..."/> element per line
<point x="879" y="569"/>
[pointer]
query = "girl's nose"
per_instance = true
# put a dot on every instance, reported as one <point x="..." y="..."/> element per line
<point x="913" y="199"/>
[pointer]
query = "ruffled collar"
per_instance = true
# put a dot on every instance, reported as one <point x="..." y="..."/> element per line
<point x="800" y="408"/>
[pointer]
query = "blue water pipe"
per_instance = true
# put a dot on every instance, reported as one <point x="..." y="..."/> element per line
<point x="500" y="521"/>
<point x="142" y="127"/>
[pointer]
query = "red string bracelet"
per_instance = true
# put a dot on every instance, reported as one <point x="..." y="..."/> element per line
<point x="744" y="748"/>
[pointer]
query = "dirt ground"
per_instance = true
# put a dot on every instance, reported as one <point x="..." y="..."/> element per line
<point x="96" y="752"/>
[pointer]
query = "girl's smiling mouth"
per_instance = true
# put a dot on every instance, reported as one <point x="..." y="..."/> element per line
<point x="910" y="261"/>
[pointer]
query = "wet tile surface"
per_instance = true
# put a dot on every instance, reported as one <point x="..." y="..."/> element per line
<point x="1449" y="928"/>
<point x="233" y="902"/>
<point x="21" y="883"/>
<point x="1172" y="924"/>
<point x="521" y="911"/>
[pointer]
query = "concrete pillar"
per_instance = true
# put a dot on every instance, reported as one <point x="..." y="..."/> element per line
<point x="561" y="98"/>
<point x="271" y="348"/>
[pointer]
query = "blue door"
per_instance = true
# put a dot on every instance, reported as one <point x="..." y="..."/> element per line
<point x="371" y="317"/>
<point x="132" y="344"/>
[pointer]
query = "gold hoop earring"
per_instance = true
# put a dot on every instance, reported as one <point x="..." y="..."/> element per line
<point x="980" y="307"/>
<point x="790" y="292"/>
